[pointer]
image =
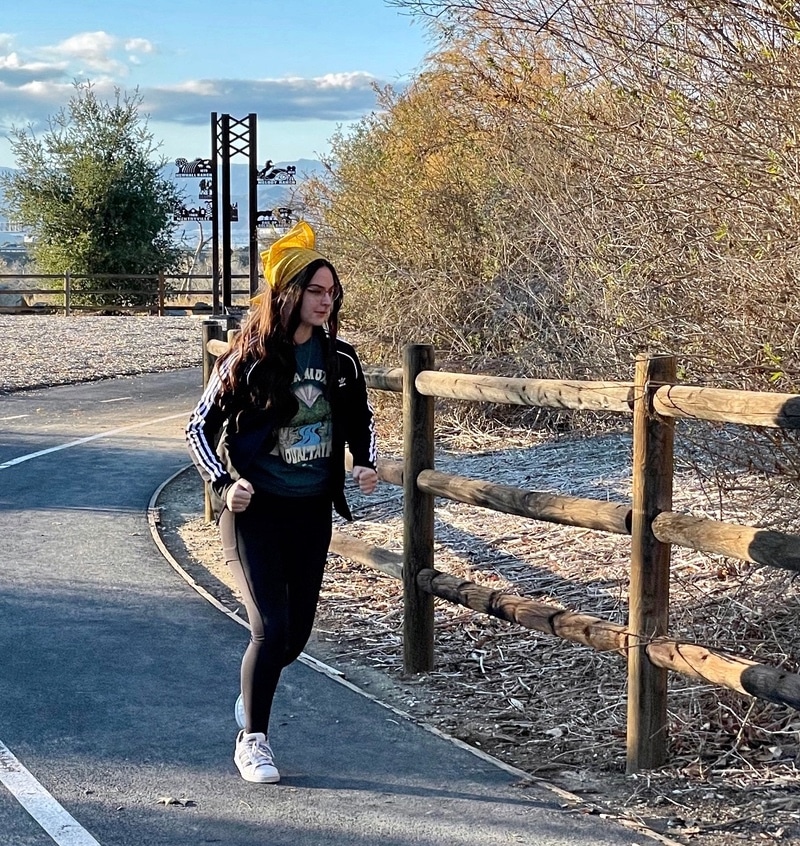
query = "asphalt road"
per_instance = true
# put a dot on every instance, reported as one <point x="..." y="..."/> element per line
<point x="117" y="681"/>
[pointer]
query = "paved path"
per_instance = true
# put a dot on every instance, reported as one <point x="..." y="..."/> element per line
<point x="117" y="680"/>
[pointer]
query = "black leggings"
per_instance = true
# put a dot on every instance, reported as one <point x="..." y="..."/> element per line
<point x="276" y="550"/>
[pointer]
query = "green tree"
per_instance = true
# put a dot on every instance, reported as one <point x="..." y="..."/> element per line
<point x="92" y="192"/>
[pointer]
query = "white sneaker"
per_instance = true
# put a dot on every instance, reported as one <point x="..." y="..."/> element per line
<point x="253" y="758"/>
<point x="238" y="711"/>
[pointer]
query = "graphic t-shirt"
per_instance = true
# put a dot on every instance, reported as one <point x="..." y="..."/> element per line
<point x="299" y="463"/>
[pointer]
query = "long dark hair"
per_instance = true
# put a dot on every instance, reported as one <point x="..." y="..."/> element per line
<point x="262" y="352"/>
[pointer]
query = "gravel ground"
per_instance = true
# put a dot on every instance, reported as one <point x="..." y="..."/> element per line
<point x="42" y="350"/>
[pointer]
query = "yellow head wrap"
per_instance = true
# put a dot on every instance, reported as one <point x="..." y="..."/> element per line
<point x="288" y="256"/>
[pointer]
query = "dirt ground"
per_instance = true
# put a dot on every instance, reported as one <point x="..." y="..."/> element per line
<point x="550" y="708"/>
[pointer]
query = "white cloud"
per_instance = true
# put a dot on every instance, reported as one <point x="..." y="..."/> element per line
<point x="192" y="87"/>
<point x="17" y="70"/>
<point x="92" y="49"/>
<point x="36" y="83"/>
<point x="87" y="45"/>
<point x="335" y="97"/>
<point x="139" y="45"/>
<point x="354" y="79"/>
<point x="33" y="102"/>
<point x="53" y="92"/>
<point x="12" y="62"/>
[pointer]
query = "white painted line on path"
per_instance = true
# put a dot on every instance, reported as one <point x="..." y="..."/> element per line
<point x="116" y="399"/>
<point x="13" y="417"/>
<point x="62" y="827"/>
<point x="30" y="455"/>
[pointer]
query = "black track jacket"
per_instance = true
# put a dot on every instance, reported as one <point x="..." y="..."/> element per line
<point x="223" y="445"/>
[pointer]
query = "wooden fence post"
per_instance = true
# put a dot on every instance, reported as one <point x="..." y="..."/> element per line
<point x="67" y="293"/>
<point x="161" y="292"/>
<point x="649" y="585"/>
<point x="212" y="330"/>
<point x="417" y="512"/>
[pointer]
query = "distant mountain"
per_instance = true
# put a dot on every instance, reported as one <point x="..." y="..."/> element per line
<point x="269" y="197"/>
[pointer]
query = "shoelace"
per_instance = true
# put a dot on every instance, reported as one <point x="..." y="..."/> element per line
<point x="260" y="752"/>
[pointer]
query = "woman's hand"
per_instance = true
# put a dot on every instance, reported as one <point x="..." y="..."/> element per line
<point x="239" y="495"/>
<point x="367" y="479"/>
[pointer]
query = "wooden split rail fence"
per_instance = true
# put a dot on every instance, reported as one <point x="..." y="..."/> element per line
<point x="655" y="402"/>
<point x="158" y="291"/>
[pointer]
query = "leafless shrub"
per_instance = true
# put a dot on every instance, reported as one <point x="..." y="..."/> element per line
<point x="570" y="183"/>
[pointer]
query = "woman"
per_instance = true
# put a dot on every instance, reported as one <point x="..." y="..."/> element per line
<point x="268" y="436"/>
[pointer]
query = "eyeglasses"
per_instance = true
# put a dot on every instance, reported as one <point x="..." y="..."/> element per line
<point x="318" y="292"/>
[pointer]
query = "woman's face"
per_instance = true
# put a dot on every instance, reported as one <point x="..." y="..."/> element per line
<point x="317" y="303"/>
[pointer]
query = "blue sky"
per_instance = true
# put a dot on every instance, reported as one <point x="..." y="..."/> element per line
<point x="304" y="68"/>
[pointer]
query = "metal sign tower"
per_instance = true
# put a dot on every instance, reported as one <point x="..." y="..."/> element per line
<point x="232" y="137"/>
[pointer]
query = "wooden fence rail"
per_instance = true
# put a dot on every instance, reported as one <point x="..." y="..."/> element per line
<point x="654" y="402"/>
<point x="689" y="659"/>
<point x="751" y="408"/>
<point x="758" y="546"/>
